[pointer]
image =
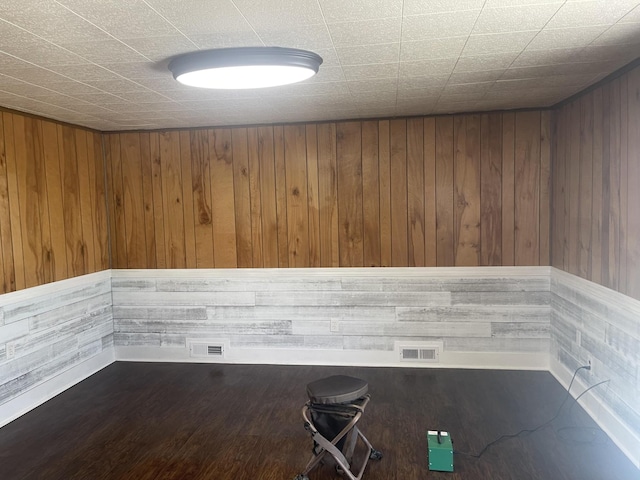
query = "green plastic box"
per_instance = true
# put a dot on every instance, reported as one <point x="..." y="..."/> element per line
<point x="440" y="451"/>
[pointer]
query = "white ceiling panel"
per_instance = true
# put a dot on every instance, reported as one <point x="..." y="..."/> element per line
<point x="103" y="63"/>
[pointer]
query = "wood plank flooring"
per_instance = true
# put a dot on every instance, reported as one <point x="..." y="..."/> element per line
<point x="210" y="421"/>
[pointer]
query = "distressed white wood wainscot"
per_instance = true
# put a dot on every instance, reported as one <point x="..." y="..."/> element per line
<point x="52" y="337"/>
<point x="493" y="317"/>
<point x="591" y="323"/>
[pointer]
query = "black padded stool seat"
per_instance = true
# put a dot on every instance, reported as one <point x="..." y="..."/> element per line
<point x="337" y="389"/>
<point x="335" y="405"/>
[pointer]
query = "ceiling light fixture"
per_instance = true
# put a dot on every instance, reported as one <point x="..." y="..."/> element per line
<point x="245" y="67"/>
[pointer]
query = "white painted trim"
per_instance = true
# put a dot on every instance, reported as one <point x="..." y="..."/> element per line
<point x="55" y="287"/>
<point x="360" y="358"/>
<point x="626" y="440"/>
<point x="36" y="396"/>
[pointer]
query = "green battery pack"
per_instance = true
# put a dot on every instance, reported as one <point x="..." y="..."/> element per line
<point x="440" y="451"/>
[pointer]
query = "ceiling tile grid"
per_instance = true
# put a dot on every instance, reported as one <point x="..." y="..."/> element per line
<point x="103" y="63"/>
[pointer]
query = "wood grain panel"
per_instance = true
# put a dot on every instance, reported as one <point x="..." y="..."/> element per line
<point x="508" y="188"/>
<point x="85" y="181"/>
<point x="187" y="200"/>
<point x="76" y="247"/>
<point x="398" y="182"/>
<point x="295" y="156"/>
<point x="222" y="187"/>
<point x="146" y="165"/>
<point x="545" y="188"/>
<point x="133" y="203"/>
<point x="201" y="187"/>
<point x="491" y="189"/>
<point x="384" y="167"/>
<point x="172" y="200"/>
<point x="415" y="192"/>
<point x="444" y="191"/>
<point x="585" y="213"/>
<point x="118" y="224"/>
<point x="467" y="190"/>
<point x="242" y="197"/>
<point x="281" y="196"/>
<point x="158" y="200"/>
<point x="527" y="188"/>
<point x="313" y="201"/>
<point x="7" y="269"/>
<point x="269" y="214"/>
<point x="254" y="162"/>
<point x="371" y="194"/>
<point x="633" y="187"/>
<point x="597" y="184"/>
<point x="52" y="202"/>
<point x="27" y="182"/>
<point x="328" y="195"/>
<point x="596" y="173"/>
<point x="430" y="234"/>
<point x="349" y="178"/>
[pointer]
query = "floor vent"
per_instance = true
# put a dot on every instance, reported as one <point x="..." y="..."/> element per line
<point x="206" y="350"/>
<point x="419" y="354"/>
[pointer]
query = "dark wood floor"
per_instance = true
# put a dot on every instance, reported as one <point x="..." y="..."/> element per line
<point x="193" y="421"/>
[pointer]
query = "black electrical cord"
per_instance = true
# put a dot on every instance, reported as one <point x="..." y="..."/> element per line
<point x="535" y="429"/>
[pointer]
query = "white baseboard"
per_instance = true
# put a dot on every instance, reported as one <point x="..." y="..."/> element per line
<point x="622" y="436"/>
<point x="39" y="394"/>
<point x="360" y="358"/>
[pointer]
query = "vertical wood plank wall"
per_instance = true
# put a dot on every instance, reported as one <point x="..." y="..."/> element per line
<point x="596" y="178"/>
<point x="53" y="218"/>
<point x="461" y="190"/>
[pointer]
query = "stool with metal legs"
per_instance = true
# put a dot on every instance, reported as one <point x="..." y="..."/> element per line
<point x="335" y="406"/>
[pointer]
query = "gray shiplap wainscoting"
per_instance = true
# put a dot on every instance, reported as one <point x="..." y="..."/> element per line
<point x="591" y="323"/>
<point x="495" y="317"/>
<point x="51" y="337"/>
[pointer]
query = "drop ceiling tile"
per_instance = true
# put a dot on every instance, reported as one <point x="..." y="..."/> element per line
<point x="31" y="48"/>
<point x="467" y="88"/>
<point x="481" y="63"/>
<point x="72" y="88"/>
<point x="130" y="19"/>
<point x="97" y="98"/>
<point x="509" y="3"/>
<point x="497" y="43"/>
<point x="440" y="66"/>
<point x="218" y="39"/>
<point x="424" y="82"/>
<point x="554" y="38"/>
<point x="554" y="56"/>
<point x="263" y="13"/>
<point x="450" y="24"/>
<point x="619" y="34"/>
<point x="51" y="21"/>
<point x="34" y="75"/>
<point x="559" y="69"/>
<point x="328" y="74"/>
<point x="160" y="48"/>
<point x="134" y="70"/>
<point x="583" y="13"/>
<point x="144" y="97"/>
<point x="202" y="16"/>
<point x="473" y="77"/>
<point x="336" y="11"/>
<point x="308" y="37"/>
<point x="379" y="85"/>
<point x="119" y="87"/>
<point x="85" y="71"/>
<point x="447" y="47"/>
<point x="366" y="54"/>
<point x="106" y="51"/>
<point x="366" y="32"/>
<point x="632" y="17"/>
<point x="419" y="94"/>
<point x="514" y="18"/>
<point x="417" y="7"/>
<point x="368" y="72"/>
<point x="608" y="53"/>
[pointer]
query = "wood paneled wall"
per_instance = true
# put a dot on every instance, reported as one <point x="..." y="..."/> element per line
<point x="460" y="190"/>
<point x="596" y="186"/>
<point x="53" y="219"/>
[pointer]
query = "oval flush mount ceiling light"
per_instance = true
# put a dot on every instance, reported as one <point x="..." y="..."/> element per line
<point x="245" y="67"/>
